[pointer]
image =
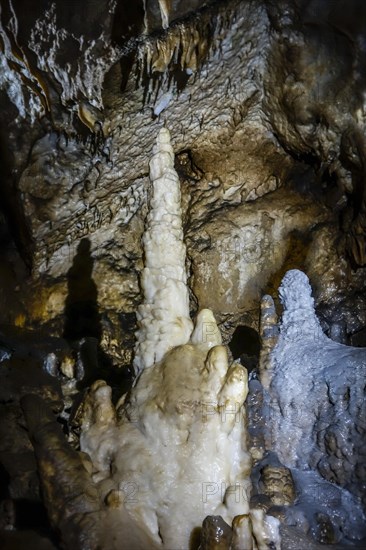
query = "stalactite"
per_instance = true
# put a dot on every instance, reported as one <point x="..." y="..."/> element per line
<point x="182" y="49"/>
<point x="165" y="9"/>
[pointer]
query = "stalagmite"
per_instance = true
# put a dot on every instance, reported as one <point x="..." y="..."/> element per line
<point x="174" y="449"/>
<point x="265" y="530"/>
<point x="242" y="533"/>
<point x="164" y="320"/>
<point x="315" y="411"/>
<point x="269" y="336"/>
<point x="178" y="446"/>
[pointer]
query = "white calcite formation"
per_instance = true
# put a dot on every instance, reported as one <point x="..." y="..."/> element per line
<point x="174" y="449"/>
<point x="315" y="406"/>
<point x="298" y="320"/>
<point x="163" y="317"/>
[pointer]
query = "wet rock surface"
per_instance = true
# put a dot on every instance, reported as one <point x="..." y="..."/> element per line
<point x="23" y="516"/>
<point x="265" y="104"/>
<point x="35" y="377"/>
<point x="215" y="534"/>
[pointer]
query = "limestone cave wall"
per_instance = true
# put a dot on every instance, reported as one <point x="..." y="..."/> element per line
<point x="265" y="105"/>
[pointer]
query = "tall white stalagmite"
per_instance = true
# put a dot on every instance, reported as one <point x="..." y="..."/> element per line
<point x="174" y="451"/>
<point x="163" y="317"/>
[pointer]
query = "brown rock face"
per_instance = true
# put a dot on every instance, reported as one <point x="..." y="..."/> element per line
<point x="277" y="483"/>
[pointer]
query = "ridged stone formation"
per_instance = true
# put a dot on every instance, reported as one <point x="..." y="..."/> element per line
<point x="174" y="450"/>
<point x="316" y="412"/>
<point x="163" y="317"/>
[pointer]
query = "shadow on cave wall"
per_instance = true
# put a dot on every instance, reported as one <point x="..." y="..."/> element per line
<point x="82" y="318"/>
<point x="83" y="325"/>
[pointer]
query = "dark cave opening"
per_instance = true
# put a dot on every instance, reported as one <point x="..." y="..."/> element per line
<point x="245" y="346"/>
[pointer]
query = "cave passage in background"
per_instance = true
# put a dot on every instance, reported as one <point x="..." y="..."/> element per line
<point x="245" y="345"/>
